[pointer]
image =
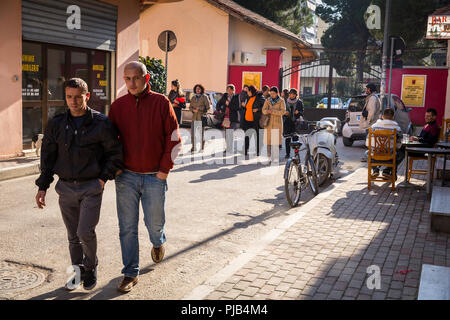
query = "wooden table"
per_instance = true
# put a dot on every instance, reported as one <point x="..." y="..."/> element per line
<point x="445" y="145"/>
<point x="431" y="152"/>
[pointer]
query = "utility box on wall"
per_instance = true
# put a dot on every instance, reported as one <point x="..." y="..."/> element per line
<point x="421" y="84"/>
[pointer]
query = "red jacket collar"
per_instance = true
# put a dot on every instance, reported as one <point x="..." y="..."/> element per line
<point x="144" y="93"/>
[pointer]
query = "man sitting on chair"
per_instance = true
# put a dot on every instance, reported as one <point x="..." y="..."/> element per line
<point x="429" y="133"/>
<point x="387" y="122"/>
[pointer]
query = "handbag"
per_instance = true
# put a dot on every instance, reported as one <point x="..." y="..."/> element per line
<point x="264" y="120"/>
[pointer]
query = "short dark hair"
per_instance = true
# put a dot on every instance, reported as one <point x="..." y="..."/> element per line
<point x="202" y="88"/>
<point x="294" y="91"/>
<point x="432" y="111"/>
<point x="76" y="83"/>
<point x="245" y="86"/>
<point x="274" y="89"/>
<point x="253" y="90"/>
<point x="265" y="88"/>
<point x="389" y="113"/>
<point x="372" y="87"/>
<point x="231" y="86"/>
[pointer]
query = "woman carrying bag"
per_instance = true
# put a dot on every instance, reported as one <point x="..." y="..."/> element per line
<point x="199" y="106"/>
<point x="276" y="108"/>
<point x="177" y="99"/>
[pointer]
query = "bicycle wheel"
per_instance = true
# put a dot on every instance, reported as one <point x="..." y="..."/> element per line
<point x="312" y="176"/>
<point x="292" y="185"/>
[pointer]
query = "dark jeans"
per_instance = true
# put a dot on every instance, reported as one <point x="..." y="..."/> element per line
<point x="80" y="204"/>
<point x="178" y="114"/>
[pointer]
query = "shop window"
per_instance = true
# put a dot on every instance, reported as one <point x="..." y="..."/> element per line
<point x="32" y="80"/>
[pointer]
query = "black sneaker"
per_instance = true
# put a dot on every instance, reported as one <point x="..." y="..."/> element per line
<point x="375" y="172"/>
<point x="72" y="284"/>
<point x="90" y="279"/>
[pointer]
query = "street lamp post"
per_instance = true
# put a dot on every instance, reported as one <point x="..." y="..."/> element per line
<point x="387" y="14"/>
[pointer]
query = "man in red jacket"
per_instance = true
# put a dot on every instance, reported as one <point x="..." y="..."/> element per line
<point x="148" y="130"/>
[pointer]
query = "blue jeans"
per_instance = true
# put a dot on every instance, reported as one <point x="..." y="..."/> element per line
<point x="131" y="188"/>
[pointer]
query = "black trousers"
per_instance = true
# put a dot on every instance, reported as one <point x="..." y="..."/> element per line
<point x="178" y="114"/>
<point x="248" y="125"/>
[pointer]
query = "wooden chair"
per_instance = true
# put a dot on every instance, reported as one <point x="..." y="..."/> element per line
<point x="412" y="171"/>
<point x="445" y="126"/>
<point x="382" y="153"/>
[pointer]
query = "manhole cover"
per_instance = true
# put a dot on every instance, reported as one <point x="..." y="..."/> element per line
<point x="15" y="277"/>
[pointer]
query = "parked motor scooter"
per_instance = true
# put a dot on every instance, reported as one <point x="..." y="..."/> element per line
<point x="323" y="149"/>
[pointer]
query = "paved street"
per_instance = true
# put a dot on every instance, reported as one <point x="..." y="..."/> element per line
<point x="326" y="252"/>
<point x="215" y="214"/>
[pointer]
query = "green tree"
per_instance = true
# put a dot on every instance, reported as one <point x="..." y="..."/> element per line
<point x="290" y="14"/>
<point x="157" y="72"/>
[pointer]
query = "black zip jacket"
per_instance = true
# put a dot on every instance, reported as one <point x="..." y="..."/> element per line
<point x="258" y="104"/>
<point x="91" y="152"/>
<point x="234" y="106"/>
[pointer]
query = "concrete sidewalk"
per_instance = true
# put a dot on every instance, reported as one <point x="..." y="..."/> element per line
<point x="20" y="166"/>
<point x="324" y="249"/>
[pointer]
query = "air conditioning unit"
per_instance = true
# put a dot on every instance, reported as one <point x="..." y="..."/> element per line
<point x="246" y="57"/>
<point x="236" y="56"/>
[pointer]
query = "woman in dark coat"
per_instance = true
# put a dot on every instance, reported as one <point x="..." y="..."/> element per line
<point x="251" y="113"/>
<point x="177" y="99"/>
<point x="295" y="108"/>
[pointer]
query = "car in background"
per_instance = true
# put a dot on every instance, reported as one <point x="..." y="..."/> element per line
<point x="186" y="114"/>
<point x="336" y="103"/>
<point x="351" y="131"/>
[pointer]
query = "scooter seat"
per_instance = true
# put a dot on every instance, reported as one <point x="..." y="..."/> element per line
<point x="296" y="144"/>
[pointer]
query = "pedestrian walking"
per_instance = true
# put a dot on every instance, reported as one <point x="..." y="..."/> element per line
<point x="285" y="94"/>
<point x="243" y="96"/>
<point x="199" y="106"/>
<point x="295" y="108"/>
<point x="148" y="129"/>
<point x="371" y="112"/>
<point x="228" y="107"/>
<point x="177" y="99"/>
<point x="252" y="110"/>
<point x="265" y="91"/>
<point x="276" y="108"/>
<point x="82" y="148"/>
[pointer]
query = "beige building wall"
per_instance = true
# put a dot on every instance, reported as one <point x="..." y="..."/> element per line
<point x="127" y="40"/>
<point x="249" y="38"/>
<point x="202" y="35"/>
<point x="11" y="78"/>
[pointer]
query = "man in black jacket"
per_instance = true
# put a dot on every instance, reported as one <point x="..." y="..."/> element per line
<point x="82" y="147"/>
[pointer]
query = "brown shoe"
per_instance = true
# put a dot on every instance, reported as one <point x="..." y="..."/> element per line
<point x="158" y="254"/>
<point x="127" y="284"/>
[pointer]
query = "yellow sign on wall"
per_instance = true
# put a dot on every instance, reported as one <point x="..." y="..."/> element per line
<point x="252" y="78"/>
<point x="413" y="90"/>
